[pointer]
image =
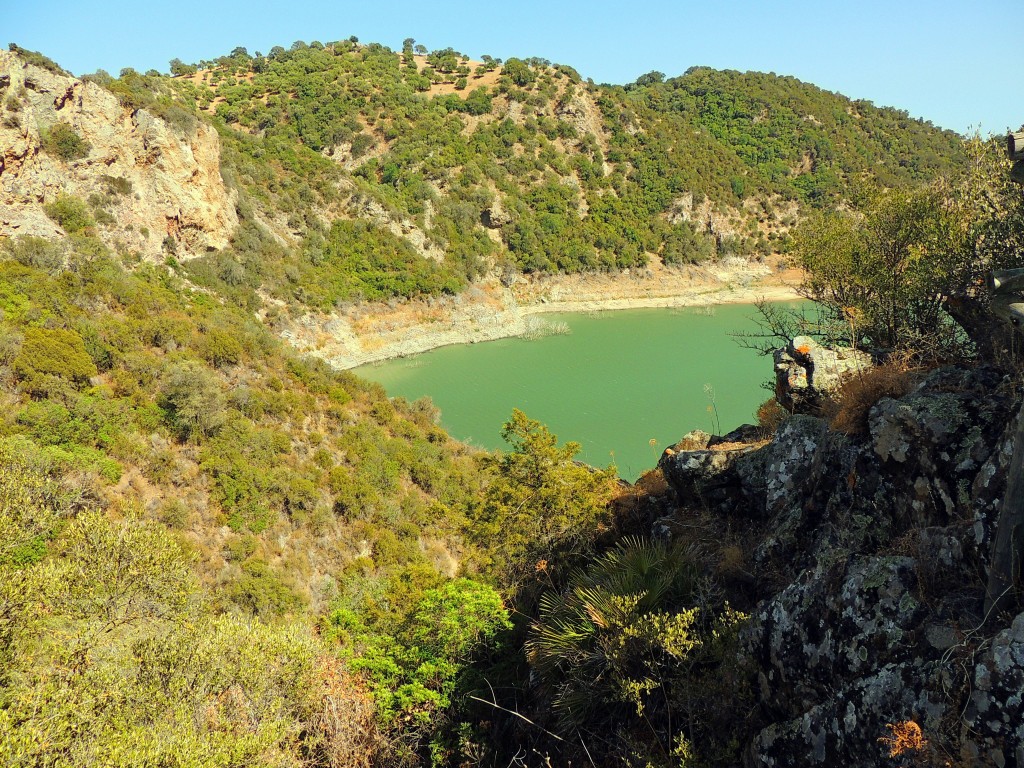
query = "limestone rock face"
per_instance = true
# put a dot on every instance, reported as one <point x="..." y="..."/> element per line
<point x="168" y="181"/>
<point x="805" y="370"/>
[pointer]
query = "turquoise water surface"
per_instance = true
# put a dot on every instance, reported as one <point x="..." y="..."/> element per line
<point x="618" y="381"/>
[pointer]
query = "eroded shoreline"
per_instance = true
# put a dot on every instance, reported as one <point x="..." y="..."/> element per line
<point x="491" y="310"/>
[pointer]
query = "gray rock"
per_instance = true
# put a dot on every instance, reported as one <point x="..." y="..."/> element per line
<point x="805" y="371"/>
<point x="871" y="554"/>
<point x="847" y="728"/>
<point x="700" y="466"/>
<point x="993" y="722"/>
<point x="835" y="622"/>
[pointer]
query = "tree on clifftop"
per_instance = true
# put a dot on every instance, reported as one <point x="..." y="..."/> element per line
<point x="519" y="72"/>
<point x="180" y="68"/>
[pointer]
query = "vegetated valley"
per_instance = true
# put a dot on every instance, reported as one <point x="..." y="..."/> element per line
<point x="217" y="551"/>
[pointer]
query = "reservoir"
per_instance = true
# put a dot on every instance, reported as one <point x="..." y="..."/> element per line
<point x="623" y="384"/>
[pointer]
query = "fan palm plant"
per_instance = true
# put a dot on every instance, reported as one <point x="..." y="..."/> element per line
<point x="607" y="637"/>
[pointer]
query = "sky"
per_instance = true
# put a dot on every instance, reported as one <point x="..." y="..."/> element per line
<point x="956" y="64"/>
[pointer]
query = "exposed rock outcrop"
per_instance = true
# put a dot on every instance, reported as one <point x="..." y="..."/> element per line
<point x="872" y="561"/>
<point x="805" y="371"/>
<point x="155" y="180"/>
<point x="368" y="208"/>
<point x="701" y="467"/>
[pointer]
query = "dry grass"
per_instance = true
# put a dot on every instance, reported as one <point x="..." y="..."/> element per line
<point x="906" y="738"/>
<point x="732" y="561"/>
<point x="849" y="407"/>
<point x="343" y="720"/>
<point x="770" y="415"/>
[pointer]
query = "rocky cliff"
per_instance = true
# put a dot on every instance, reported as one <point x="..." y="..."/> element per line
<point x="871" y="560"/>
<point x="152" y="181"/>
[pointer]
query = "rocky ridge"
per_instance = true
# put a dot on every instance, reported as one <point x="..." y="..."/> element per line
<point x="872" y="552"/>
<point x="154" y="180"/>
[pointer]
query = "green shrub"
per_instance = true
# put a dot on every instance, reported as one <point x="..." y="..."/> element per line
<point x="36" y="59"/>
<point x="220" y="348"/>
<point x="240" y="548"/>
<point x="60" y="140"/>
<point x="192" y="400"/>
<point x="32" y="504"/>
<point x="416" y="668"/>
<point x="72" y="214"/>
<point x="260" y="590"/>
<point x="117" y="185"/>
<point x="36" y="252"/>
<point x="541" y="504"/>
<point x="46" y="354"/>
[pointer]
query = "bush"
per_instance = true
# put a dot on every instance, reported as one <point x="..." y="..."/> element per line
<point x="36" y="252"/>
<point x="70" y="213"/>
<point x="263" y="592"/>
<point x="582" y="645"/>
<point x="881" y="272"/>
<point x="192" y="400"/>
<point x="417" y="669"/>
<point x="62" y="141"/>
<point x="541" y="505"/>
<point x="220" y="348"/>
<point x="47" y="354"/>
<point x="851" y="405"/>
<point x="770" y="415"/>
<point x="37" y="59"/>
<point x="117" y="185"/>
<point x="32" y="505"/>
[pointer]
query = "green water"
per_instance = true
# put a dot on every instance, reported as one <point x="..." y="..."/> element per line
<point x="618" y="381"/>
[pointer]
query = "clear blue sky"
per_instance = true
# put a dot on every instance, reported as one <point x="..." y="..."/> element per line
<point x="957" y="64"/>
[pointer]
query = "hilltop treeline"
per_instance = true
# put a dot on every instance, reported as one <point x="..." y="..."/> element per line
<point x="517" y="166"/>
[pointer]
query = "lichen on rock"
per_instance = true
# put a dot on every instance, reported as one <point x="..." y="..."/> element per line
<point x="871" y="553"/>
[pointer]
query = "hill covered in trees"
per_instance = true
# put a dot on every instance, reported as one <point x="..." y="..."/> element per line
<point x="544" y="172"/>
<point x="365" y="173"/>
<point x="214" y="551"/>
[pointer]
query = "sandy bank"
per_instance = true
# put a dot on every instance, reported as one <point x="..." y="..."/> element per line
<point x="492" y="310"/>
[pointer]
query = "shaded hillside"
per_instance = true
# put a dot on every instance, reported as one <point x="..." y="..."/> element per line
<point x="798" y="140"/>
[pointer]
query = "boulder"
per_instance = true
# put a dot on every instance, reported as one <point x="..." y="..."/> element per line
<point x="805" y="371"/>
<point x="700" y="466"/>
<point x="993" y="721"/>
<point x="850" y="727"/>
<point x="834" y="622"/>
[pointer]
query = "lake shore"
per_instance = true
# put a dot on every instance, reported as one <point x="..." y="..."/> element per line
<point x="491" y="309"/>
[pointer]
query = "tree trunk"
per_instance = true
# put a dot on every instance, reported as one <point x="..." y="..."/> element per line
<point x="992" y="336"/>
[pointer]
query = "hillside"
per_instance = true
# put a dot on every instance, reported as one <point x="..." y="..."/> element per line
<point x="215" y="550"/>
<point x="365" y="174"/>
<point x="541" y="172"/>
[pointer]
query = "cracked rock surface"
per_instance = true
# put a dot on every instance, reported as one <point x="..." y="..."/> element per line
<point x="872" y="556"/>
